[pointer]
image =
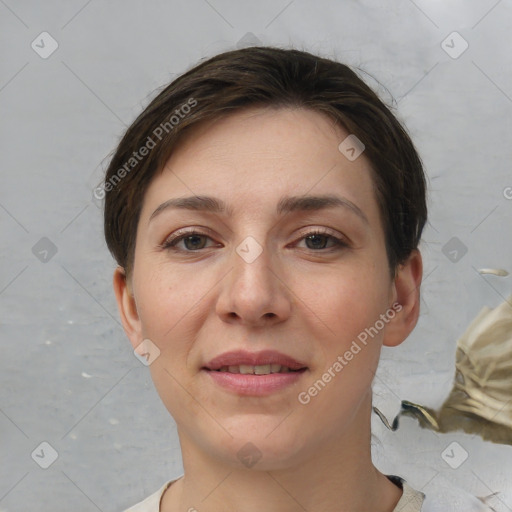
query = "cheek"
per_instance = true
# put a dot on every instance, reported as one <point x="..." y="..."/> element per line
<point x="345" y="300"/>
<point x="166" y="296"/>
<point x="348" y="306"/>
<point x="170" y="301"/>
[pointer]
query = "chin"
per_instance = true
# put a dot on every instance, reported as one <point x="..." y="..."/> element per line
<point x="266" y="449"/>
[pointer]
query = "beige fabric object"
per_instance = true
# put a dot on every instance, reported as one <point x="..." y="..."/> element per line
<point x="483" y="378"/>
<point x="480" y="401"/>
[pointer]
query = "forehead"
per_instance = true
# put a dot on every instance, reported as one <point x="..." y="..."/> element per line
<point x="253" y="158"/>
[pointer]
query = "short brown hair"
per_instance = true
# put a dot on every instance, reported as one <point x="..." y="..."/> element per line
<point x="267" y="77"/>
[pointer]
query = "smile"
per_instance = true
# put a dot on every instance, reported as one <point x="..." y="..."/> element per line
<point x="261" y="369"/>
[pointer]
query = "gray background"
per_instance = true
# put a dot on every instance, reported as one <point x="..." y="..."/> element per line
<point x="67" y="373"/>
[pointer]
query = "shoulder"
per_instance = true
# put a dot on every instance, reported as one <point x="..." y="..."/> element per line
<point x="411" y="500"/>
<point x="152" y="502"/>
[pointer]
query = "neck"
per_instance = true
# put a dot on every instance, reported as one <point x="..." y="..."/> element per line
<point x="338" y="474"/>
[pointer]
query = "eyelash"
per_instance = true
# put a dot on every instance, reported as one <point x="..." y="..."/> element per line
<point x="170" y="243"/>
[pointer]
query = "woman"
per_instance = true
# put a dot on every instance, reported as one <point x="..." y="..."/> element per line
<point x="265" y="212"/>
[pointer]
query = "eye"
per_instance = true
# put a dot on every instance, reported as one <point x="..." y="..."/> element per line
<point x="192" y="240"/>
<point x="317" y="239"/>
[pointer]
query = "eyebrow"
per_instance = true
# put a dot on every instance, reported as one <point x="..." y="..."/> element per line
<point x="285" y="205"/>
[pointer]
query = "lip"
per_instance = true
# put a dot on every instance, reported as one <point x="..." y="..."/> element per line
<point x="254" y="385"/>
<point x="238" y="357"/>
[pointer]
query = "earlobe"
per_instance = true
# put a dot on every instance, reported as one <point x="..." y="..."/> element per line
<point x="407" y="286"/>
<point x="127" y="306"/>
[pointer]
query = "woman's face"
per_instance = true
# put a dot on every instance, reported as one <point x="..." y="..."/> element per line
<point x="267" y="272"/>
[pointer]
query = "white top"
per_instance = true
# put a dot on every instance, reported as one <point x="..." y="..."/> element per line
<point x="442" y="498"/>
<point x="410" y="501"/>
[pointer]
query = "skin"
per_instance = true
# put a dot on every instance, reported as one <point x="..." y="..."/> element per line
<point x="309" y="301"/>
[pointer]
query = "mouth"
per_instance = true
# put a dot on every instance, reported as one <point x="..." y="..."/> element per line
<point x="260" y="369"/>
<point x="257" y="363"/>
<point x="254" y="374"/>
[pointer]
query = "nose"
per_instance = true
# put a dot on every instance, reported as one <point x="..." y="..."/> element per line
<point x="254" y="293"/>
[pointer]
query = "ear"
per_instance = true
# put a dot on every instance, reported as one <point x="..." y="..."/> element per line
<point x="407" y="293"/>
<point x="127" y="307"/>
